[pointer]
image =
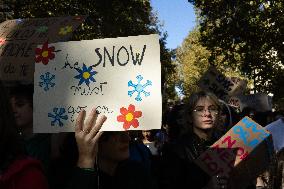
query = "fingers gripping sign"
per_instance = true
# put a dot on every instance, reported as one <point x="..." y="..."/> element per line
<point x="87" y="135"/>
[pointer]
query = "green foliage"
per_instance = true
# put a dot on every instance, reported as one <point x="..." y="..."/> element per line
<point x="193" y="61"/>
<point x="106" y="18"/>
<point x="248" y="33"/>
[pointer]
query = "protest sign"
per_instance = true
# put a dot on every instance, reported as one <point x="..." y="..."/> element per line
<point x="121" y="77"/>
<point x="239" y="85"/>
<point x="276" y="128"/>
<point x="260" y="102"/>
<point x="222" y="86"/>
<point x="240" y="155"/>
<point x="19" y="38"/>
<point x="234" y="102"/>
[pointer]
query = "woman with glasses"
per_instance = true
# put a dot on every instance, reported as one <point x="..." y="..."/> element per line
<point x="202" y="114"/>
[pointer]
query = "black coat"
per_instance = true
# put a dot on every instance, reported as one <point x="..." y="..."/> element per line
<point x="129" y="175"/>
<point x="178" y="169"/>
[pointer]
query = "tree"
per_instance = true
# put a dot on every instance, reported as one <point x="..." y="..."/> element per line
<point x="5" y="12"/>
<point x="248" y="33"/>
<point x="106" y="18"/>
<point x="193" y="61"/>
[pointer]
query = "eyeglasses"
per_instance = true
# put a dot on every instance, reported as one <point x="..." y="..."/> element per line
<point x="200" y="111"/>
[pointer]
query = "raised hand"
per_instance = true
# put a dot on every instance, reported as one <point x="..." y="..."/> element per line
<point x="87" y="135"/>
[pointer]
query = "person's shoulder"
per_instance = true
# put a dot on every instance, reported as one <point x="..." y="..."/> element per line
<point x="174" y="151"/>
<point x="27" y="171"/>
<point x="38" y="141"/>
<point x="179" y="144"/>
<point x="23" y="163"/>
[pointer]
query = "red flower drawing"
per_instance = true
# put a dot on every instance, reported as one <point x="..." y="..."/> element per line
<point x="44" y="54"/>
<point x="128" y="116"/>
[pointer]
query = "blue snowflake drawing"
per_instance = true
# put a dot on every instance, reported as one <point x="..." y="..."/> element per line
<point x="58" y="116"/>
<point x="139" y="88"/>
<point x="47" y="81"/>
<point x="85" y="75"/>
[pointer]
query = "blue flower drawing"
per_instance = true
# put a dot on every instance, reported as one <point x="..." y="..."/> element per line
<point x="85" y="75"/>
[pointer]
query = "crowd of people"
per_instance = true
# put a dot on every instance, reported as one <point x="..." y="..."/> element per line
<point x="90" y="158"/>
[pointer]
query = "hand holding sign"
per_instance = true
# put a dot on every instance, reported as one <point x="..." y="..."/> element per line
<point x="87" y="136"/>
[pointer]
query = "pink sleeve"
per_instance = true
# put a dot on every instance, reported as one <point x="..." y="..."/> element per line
<point x="32" y="178"/>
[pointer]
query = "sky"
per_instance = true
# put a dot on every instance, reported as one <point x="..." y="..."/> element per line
<point x="177" y="17"/>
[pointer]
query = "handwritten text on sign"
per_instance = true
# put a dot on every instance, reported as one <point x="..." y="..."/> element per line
<point x="222" y="86"/>
<point x="121" y="77"/>
<point x="19" y="38"/>
<point x="233" y="147"/>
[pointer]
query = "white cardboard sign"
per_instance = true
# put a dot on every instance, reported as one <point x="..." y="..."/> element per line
<point x="121" y="77"/>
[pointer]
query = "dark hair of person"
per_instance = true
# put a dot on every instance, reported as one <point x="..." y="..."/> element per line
<point x="174" y="119"/>
<point x="107" y="135"/>
<point x="23" y="91"/>
<point x="231" y="114"/>
<point x="10" y="143"/>
<point x="248" y="111"/>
